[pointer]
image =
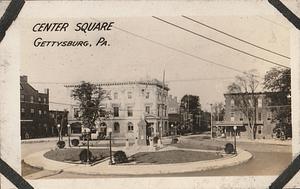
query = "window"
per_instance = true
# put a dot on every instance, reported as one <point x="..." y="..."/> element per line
<point x="165" y="110"/>
<point x="129" y="111"/>
<point x="158" y="110"/>
<point x="45" y="112"/>
<point x="232" y="102"/>
<point x="32" y="110"/>
<point x="45" y="100"/>
<point x="241" y="116"/>
<point x="259" y="116"/>
<point x="232" y="116"/>
<point x="31" y="99"/>
<point x="116" y="111"/>
<point x="116" y="127"/>
<point x="147" y="109"/>
<point x="22" y="97"/>
<point x="129" y="94"/>
<point x="40" y="112"/>
<point x="116" y="95"/>
<point x="39" y="99"/>
<point x="130" y="126"/>
<point x="147" y="95"/>
<point x="259" y="102"/>
<point x="259" y="129"/>
<point x="23" y="110"/>
<point x="76" y="112"/>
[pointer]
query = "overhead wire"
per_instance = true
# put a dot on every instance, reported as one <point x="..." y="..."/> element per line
<point x="218" y="42"/>
<point x="234" y="37"/>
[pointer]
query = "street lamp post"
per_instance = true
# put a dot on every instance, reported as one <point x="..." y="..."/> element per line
<point x="110" y="152"/>
<point x="173" y="135"/>
<point x="211" y="122"/>
<point x="235" y="128"/>
<point x="69" y="133"/>
<point x="58" y="131"/>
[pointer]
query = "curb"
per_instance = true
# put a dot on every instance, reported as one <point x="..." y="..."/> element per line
<point x="37" y="159"/>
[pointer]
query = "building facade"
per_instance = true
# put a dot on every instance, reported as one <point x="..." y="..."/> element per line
<point x="139" y="110"/>
<point x="173" y="109"/>
<point x="34" y="111"/>
<point x="264" y="123"/>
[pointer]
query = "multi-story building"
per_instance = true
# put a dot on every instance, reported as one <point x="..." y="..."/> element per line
<point x="235" y="117"/>
<point x="139" y="109"/>
<point x="34" y="111"/>
<point x="173" y="109"/>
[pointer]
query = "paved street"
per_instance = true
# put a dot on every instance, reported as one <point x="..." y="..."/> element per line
<point x="267" y="159"/>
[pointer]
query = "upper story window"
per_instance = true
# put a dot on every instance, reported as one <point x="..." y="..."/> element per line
<point x="129" y="111"/>
<point x="232" y="116"/>
<point x="116" y="127"/>
<point x="231" y="102"/>
<point x="23" y="110"/>
<point x="40" y="112"/>
<point x="129" y="94"/>
<point x="32" y="110"/>
<point x="22" y="97"/>
<point x="259" y="116"/>
<point x="76" y="112"/>
<point x="147" y="95"/>
<point x="45" y="112"/>
<point x="259" y="102"/>
<point x="45" y="100"/>
<point x="39" y="99"/>
<point x="31" y="99"/>
<point x="116" y="111"/>
<point x="115" y="95"/>
<point x="147" y="109"/>
<point x="130" y="126"/>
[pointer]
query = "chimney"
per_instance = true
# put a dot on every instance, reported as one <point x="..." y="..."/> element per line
<point x="24" y="78"/>
<point x="46" y="91"/>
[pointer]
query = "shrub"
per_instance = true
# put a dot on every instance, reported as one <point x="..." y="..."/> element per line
<point x="61" y="144"/>
<point x="155" y="139"/>
<point x="120" y="157"/>
<point x="229" y="149"/>
<point x="83" y="155"/>
<point x="174" y="140"/>
<point x="75" y="142"/>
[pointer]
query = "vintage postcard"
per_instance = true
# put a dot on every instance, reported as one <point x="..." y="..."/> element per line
<point x="156" y="94"/>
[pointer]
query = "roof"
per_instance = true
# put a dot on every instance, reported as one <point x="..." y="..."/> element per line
<point x="142" y="82"/>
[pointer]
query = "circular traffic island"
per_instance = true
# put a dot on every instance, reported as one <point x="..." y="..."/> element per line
<point x="174" y="156"/>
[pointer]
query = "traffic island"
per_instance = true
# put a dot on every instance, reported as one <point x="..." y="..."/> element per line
<point x="103" y="168"/>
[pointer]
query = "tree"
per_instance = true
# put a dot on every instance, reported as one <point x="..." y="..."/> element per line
<point x="218" y="111"/>
<point x="243" y="92"/>
<point x="278" y="84"/>
<point x="90" y="97"/>
<point x="190" y="110"/>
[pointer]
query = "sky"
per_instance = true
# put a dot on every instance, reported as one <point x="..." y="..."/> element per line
<point x="150" y="46"/>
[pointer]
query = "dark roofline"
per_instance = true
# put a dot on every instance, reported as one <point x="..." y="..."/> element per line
<point x="151" y="82"/>
<point x="256" y="93"/>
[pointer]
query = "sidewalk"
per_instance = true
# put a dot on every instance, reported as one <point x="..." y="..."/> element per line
<point x="264" y="141"/>
<point x="103" y="168"/>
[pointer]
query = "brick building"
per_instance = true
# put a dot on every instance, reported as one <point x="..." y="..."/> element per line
<point x="34" y="111"/>
<point x="234" y="117"/>
<point x="139" y="110"/>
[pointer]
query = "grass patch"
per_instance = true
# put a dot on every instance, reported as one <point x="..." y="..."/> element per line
<point x="174" y="156"/>
<point x="72" y="154"/>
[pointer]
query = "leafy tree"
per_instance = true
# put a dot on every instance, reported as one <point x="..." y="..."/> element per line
<point x="243" y="92"/>
<point x="278" y="83"/>
<point x="190" y="109"/>
<point x="89" y="97"/>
